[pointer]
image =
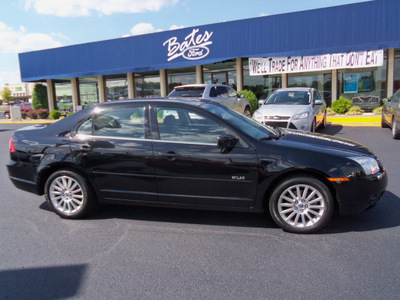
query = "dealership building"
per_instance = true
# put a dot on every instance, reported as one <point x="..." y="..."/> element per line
<point x="350" y="50"/>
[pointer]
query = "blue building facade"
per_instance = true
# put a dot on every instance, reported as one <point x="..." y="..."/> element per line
<point x="150" y="65"/>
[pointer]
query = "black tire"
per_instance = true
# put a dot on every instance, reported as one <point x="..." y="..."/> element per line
<point x="301" y="204"/>
<point x="313" y="126"/>
<point x="395" y="128"/>
<point x="68" y="194"/>
<point x="383" y="123"/>
<point x="247" y="112"/>
<point x="6" y="115"/>
<point x="323" y="123"/>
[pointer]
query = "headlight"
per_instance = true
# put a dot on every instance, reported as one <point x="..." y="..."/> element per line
<point x="369" y="164"/>
<point x="301" y="116"/>
<point x="258" y="116"/>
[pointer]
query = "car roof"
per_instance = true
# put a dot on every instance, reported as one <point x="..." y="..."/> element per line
<point x="201" y="85"/>
<point x="190" y="101"/>
<point x="300" y="89"/>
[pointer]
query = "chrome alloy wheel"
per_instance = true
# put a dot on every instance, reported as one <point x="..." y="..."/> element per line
<point x="66" y="194"/>
<point x="301" y="205"/>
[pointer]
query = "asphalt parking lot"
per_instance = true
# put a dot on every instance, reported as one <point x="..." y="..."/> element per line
<point x="149" y="253"/>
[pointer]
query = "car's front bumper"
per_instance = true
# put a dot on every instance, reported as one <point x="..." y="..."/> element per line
<point x="286" y="122"/>
<point x="359" y="193"/>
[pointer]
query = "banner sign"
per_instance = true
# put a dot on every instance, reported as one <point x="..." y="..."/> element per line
<point x="297" y="64"/>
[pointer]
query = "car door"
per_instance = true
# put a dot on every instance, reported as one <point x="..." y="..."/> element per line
<point x="114" y="147"/>
<point x="389" y="112"/>
<point x="190" y="168"/>
<point x="319" y="110"/>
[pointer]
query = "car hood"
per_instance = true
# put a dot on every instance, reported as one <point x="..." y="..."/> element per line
<point x="326" y="142"/>
<point x="282" y="110"/>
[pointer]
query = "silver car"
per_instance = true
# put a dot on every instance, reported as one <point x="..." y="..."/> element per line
<point x="219" y="93"/>
<point x="296" y="108"/>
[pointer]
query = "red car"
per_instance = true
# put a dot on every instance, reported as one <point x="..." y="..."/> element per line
<point x="25" y="107"/>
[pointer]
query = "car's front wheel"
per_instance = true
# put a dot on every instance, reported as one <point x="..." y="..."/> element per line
<point x="6" y="115"/>
<point x="68" y="194"/>
<point x="247" y="112"/>
<point x="313" y="126"/>
<point x="383" y="123"/>
<point x="301" y="204"/>
<point x="395" y="128"/>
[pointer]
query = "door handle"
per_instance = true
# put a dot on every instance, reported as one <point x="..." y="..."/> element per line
<point x="171" y="155"/>
<point x="85" y="148"/>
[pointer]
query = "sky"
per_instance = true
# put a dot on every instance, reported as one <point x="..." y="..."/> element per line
<point x="27" y="25"/>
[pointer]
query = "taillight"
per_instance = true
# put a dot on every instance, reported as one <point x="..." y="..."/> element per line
<point x="11" y="145"/>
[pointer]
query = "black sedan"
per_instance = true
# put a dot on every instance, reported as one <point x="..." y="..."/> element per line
<point x="391" y="115"/>
<point x="193" y="154"/>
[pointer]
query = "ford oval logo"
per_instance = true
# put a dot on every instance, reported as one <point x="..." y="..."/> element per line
<point x="195" y="53"/>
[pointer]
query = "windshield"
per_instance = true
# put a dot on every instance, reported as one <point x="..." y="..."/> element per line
<point x="289" y="98"/>
<point x="191" y="92"/>
<point x="249" y="126"/>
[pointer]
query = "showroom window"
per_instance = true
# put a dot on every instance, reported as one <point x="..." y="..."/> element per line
<point x="221" y="72"/>
<point x="369" y="82"/>
<point x="148" y="84"/>
<point x="261" y="86"/>
<point x="320" y="81"/>
<point x="181" y="76"/>
<point x="88" y="89"/>
<point x="117" y="87"/>
<point x="63" y="90"/>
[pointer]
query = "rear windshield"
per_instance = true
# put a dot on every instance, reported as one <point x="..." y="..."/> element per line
<point x="191" y="92"/>
<point x="289" y="98"/>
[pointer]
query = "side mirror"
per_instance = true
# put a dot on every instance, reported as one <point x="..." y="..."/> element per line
<point x="260" y="102"/>
<point x="386" y="100"/>
<point x="319" y="102"/>
<point x="226" y="142"/>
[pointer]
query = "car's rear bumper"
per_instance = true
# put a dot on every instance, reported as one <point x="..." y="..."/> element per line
<point x="16" y="172"/>
<point x="360" y="193"/>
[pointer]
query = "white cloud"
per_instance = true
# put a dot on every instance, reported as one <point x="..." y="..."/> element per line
<point x="74" y="8"/>
<point x="143" y="28"/>
<point x="15" y="41"/>
<point x="173" y="27"/>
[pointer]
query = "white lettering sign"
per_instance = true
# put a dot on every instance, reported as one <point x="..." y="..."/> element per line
<point x="192" y="48"/>
<point x="296" y="64"/>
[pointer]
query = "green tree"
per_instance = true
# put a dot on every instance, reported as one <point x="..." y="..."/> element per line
<point x="6" y="94"/>
<point x="39" y="97"/>
<point x="249" y="95"/>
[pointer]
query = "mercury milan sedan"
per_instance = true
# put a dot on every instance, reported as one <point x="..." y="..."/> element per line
<point x="193" y="154"/>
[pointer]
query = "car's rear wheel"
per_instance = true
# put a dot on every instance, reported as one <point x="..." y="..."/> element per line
<point x="68" y="194"/>
<point x="301" y="204"/>
<point x="247" y="111"/>
<point x="383" y="123"/>
<point x="395" y="128"/>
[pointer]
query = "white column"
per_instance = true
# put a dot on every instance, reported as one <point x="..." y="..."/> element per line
<point x="284" y="80"/>
<point x="102" y="88"/>
<point x="390" y="73"/>
<point x="334" y="88"/>
<point x="163" y="83"/>
<point x="76" y="99"/>
<point x="199" y="74"/>
<point x="239" y="73"/>
<point x="131" y="85"/>
<point x="51" y="95"/>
